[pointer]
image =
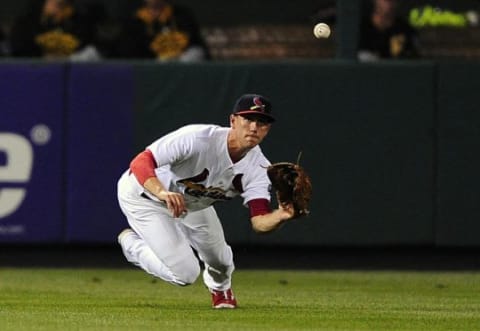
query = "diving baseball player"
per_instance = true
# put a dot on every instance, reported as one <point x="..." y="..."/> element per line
<point x="167" y="196"/>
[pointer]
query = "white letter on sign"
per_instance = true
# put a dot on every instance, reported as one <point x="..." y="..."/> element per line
<point x="18" y="169"/>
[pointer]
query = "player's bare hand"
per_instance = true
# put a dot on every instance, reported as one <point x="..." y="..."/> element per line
<point x="286" y="211"/>
<point x="175" y="202"/>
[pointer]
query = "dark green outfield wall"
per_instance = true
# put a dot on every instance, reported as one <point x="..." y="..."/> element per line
<point x="458" y="201"/>
<point x="367" y="133"/>
<point x="392" y="148"/>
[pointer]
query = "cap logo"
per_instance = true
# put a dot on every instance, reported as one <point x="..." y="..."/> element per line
<point x="258" y="104"/>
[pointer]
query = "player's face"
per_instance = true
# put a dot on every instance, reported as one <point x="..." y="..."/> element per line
<point x="250" y="129"/>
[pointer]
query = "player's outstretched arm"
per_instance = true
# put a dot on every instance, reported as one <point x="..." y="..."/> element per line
<point x="269" y="222"/>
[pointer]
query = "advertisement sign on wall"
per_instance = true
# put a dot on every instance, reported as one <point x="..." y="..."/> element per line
<point x="31" y="155"/>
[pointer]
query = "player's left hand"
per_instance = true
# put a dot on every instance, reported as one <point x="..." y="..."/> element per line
<point x="292" y="185"/>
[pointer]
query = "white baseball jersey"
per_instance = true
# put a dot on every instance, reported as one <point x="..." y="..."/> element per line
<point x="194" y="160"/>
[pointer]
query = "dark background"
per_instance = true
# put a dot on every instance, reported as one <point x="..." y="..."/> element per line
<point x="217" y="12"/>
<point x="266" y="29"/>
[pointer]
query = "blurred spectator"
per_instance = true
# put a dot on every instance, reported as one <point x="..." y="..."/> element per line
<point x="53" y="29"/>
<point x="384" y="34"/>
<point x="106" y="31"/>
<point x="163" y="31"/>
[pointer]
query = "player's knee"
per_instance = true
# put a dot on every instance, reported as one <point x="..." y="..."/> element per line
<point x="186" y="273"/>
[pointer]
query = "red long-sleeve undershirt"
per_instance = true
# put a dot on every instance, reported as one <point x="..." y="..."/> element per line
<point x="143" y="166"/>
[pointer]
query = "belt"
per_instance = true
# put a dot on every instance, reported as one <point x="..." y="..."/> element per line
<point x="143" y="195"/>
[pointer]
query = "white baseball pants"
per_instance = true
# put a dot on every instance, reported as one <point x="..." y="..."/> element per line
<point x="162" y="245"/>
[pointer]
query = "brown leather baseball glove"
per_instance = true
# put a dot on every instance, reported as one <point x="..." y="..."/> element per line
<point x="292" y="185"/>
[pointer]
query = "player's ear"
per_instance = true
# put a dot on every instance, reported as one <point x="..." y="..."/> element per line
<point x="232" y="120"/>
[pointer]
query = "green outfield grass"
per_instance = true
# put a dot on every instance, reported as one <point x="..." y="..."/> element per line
<point x="129" y="299"/>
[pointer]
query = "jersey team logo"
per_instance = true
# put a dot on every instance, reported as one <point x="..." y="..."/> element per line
<point x="194" y="187"/>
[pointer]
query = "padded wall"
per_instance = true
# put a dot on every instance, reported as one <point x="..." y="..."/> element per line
<point x="365" y="133"/>
<point x="458" y="155"/>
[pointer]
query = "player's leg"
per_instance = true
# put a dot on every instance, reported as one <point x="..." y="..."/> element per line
<point x="205" y="233"/>
<point x="160" y="248"/>
<point x="137" y="252"/>
<point x="156" y="244"/>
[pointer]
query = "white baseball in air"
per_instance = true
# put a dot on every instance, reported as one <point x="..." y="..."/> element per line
<point x="321" y="30"/>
